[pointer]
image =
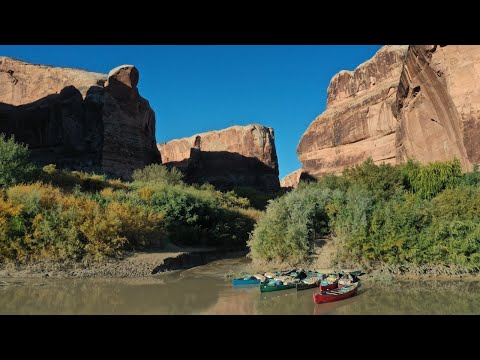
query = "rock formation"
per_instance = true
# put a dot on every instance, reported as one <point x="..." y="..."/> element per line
<point x="438" y="104"/>
<point x="77" y="119"/>
<point x="293" y="179"/>
<point x="419" y="101"/>
<point x="236" y="156"/>
<point x="358" y="122"/>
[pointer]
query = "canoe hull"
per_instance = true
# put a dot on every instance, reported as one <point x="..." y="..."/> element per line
<point x="303" y="286"/>
<point x="267" y="288"/>
<point x="241" y="282"/>
<point x="331" y="296"/>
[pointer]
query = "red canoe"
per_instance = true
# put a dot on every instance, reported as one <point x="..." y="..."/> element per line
<point x="328" y="283"/>
<point x="330" y="286"/>
<point x="336" y="294"/>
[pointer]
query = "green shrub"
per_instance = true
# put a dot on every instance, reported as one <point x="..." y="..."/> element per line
<point x="472" y="178"/>
<point x="429" y="180"/>
<point x="158" y="173"/>
<point x="290" y="225"/>
<point x="410" y="213"/>
<point x="15" y="166"/>
<point x="197" y="217"/>
<point x="382" y="180"/>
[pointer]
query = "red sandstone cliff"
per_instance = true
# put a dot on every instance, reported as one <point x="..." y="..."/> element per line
<point x="407" y="101"/>
<point x="438" y="104"/>
<point x="358" y="122"/>
<point x="236" y="156"/>
<point x="78" y="119"/>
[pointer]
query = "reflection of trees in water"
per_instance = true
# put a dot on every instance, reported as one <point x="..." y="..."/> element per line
<point x="427" y="297"/>
<point x="186" y="294"/>
<point x="89" y="296"/>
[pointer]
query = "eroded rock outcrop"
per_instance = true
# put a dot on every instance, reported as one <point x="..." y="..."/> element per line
<point x="418" y="101"/>
<point x="358" y="122"/>
<point x="77" y="119"/>
<point x="293" y="179"/>
<point x="236" y="156"/>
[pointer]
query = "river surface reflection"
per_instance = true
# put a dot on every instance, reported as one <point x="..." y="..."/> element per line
<point x="204" y="290"/>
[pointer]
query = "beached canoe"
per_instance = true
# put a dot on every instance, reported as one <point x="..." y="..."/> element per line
<point x="330" y="282"/>
<point x="346" y="280"/>
<point x="269" y="288"/>
<point x="242" y="282"/>
<point x="310" y="282"/>
<point x="304" y="286"/>
<point x="336" y="294"/>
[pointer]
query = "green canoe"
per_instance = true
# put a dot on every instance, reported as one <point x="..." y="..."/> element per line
<point x="269" y="288"/>
<point x="303" y="286"/>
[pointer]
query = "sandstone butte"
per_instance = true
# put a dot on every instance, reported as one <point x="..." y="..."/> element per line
<point x="417" y="101"/>
<point x="78" y="119"/>
<point x="236" y="156"/>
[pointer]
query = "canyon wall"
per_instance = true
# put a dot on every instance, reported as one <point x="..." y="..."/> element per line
<point x="418" y="101"/>
<point x="77" y="119"/>
<point x="236" y="156"/>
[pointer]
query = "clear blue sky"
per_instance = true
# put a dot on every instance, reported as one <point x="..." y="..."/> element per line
<point x="193" y="89"/>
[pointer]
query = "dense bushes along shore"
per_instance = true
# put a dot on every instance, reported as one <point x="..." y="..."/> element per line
<point x="57" y="214"/>
<point x="378" y="214"/>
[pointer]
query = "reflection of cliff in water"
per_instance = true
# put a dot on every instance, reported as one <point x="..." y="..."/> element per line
<point x="108" y="296"/>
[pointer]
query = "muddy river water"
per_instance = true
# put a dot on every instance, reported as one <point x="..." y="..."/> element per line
<point x="204" y="290"/>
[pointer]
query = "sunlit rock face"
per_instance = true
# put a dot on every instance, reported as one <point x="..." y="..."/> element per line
<point x="236" y="156"/>
<point x="418" y="101"/>
<point x="78" y="119"/>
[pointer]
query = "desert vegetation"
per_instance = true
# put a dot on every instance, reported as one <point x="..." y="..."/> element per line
<point x="378" y="214"/>
<point x="48" y="213"/>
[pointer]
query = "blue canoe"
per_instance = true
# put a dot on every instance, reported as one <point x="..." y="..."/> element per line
<point x="240" y="282"/>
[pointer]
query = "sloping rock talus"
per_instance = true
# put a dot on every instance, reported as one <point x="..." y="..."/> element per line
<point x="418" y="101"/>
<point x="236" y="156"/>
<point x="77" y="119"/>
<point x="358" y="122"/>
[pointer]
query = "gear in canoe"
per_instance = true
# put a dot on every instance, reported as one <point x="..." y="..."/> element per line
<point x="246" y="280"/>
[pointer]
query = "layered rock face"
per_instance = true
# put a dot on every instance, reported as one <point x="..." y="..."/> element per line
<point x="77" y="119"/>
<point x="420" y="101"/>
<point x="438" y="104"/>
<point x="128" y="125"/>
<point x="236" y="156"/>
<point x="359" y="121"/>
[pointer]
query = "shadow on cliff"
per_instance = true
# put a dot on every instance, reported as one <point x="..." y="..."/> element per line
<point x="227" y="170"/>
<point x="62" y="129"/>
<point x="306" y="177"/>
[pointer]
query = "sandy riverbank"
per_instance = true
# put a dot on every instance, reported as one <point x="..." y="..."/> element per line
<point x="133" y="264"/>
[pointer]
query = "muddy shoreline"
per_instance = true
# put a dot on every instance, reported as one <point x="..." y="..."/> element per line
<point x="131" y="265"/>
<point x="385" y="273"/>
<point x="152" y="262"/>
